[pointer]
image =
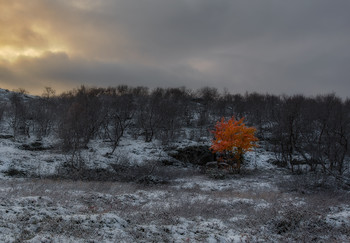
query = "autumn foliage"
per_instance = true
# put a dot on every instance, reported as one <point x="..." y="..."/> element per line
<point x="232" y="140"/>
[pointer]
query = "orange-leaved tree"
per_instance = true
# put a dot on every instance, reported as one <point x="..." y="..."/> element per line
<point x="232" y="140"/>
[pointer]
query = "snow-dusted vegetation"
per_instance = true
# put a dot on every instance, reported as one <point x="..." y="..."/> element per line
<point x="131" y="165"/>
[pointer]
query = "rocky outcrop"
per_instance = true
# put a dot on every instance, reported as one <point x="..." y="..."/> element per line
<point x="198" y="155"/>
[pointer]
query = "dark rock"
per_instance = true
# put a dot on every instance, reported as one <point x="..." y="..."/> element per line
<point x="6" y="136"/>
<point x="35" y="146"/>
<point x="14" y="172"/>
<point x="171" y="162"/>
<point x="150" y="179"/>
<point x="198" y="155"/>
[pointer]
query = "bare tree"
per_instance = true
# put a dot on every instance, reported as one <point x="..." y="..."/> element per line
<point x="82" y="116"/>
<point x="120" y="110"/>
<point x="149" y="117"/>
<point x="43" y="111"/>
<point x="18" y="115"/>
<point x="288" y="122"/>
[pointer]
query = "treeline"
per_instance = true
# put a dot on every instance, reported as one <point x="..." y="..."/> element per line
<point x="299" y="129"/>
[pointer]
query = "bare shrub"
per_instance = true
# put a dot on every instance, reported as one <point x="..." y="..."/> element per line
<point x="150" y="172"/>
<point x="309" y="182"/>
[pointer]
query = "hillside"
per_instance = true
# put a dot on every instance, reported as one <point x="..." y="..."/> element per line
<point x="153" y="190"/>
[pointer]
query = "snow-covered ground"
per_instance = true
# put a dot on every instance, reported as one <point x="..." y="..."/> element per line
<point x="263" y="204"/>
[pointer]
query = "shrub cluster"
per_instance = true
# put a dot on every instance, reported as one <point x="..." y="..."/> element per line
<point x="313" y="131"/>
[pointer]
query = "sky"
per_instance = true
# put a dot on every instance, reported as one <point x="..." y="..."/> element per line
<point x="267" y="46"/>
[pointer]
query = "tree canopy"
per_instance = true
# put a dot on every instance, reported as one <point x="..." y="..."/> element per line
<point x="232" y="140"/>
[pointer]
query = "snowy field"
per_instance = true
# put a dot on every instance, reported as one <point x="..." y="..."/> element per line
<point x="263" y="204"/>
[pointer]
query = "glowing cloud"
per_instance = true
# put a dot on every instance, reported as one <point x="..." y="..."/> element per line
<point x="23" y="31"/>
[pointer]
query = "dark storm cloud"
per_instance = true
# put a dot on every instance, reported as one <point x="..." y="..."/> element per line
<point x="268" y="46"/>
<point x="60" y="71"/>
<point x="194" y="26"/>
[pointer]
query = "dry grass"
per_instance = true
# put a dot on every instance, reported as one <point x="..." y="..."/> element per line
<point x="261" y="214"/>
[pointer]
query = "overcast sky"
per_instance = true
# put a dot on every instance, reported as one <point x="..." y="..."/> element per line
<point x="273" y="46"/>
